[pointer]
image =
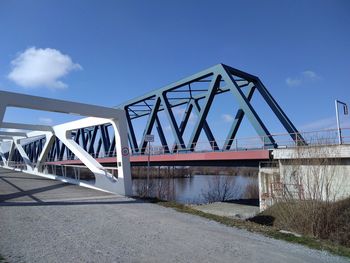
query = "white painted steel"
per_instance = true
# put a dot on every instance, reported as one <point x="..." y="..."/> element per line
<point x="95" y="115"/>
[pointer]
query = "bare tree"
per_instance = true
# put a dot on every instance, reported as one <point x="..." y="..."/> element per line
<point x="221" y="188"/>
<point x="161" y="188"/>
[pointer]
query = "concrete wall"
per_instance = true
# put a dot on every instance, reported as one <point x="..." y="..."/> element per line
<point x="268" y="177"/>
<point x="319" y="173"/>
<point x="325" y="180"/>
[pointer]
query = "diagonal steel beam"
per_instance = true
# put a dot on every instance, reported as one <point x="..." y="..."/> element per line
<point x="105" y="138"/>
<point x="161" y="135"/>
<point x="171" y="118"/>
<point x="49" y="141"/>
<point x="23" y="154"/>
<point x="131" y="132"/>
<point x="183" y="123"/>
<point x="287" y="124"/>
<point x="215" y="83"/>
<point x="111" y="150"/>
<point x="97" y="153"/>
<point x="180" y="102"/>
<point x="149" y="125"/>
<point x="237" y="121"/>
<point x="248" y="109"/>
<point x="91" y="147"/>
<point x="85" y="137"/>
<point x="206" y="128"/>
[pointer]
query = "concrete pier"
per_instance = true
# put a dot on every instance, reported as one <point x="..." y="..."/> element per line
<point x="315" y="172"/>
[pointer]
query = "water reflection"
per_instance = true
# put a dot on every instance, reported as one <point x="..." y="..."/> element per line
<point x="190" y="189"/>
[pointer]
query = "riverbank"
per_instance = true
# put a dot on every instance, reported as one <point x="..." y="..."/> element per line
<point x="198" y="189"/>
<point x="139" y="172"/>
<point x="234" y="209"/>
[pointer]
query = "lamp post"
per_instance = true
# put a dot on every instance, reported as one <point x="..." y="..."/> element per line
<point x="148" y="138"/>
<point x="346" y="112"/>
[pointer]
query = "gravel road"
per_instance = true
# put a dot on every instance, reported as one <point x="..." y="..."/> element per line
<point x="47" y="221"/>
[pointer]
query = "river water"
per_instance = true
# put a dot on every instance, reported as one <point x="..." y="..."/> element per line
<point x="194" y="189"/>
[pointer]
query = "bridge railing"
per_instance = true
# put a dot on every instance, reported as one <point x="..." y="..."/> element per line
<point x="283" y="140"/>
<point x="16" y="165"/>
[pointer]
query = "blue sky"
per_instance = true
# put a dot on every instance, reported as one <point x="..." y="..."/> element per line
<point x="113" y="51"/>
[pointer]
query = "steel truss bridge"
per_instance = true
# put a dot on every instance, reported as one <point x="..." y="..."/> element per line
<point x="196" y="93"/>
<point x="106" y="142"/>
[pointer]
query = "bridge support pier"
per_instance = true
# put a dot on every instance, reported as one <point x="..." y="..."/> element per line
<point x="319" y="173"/>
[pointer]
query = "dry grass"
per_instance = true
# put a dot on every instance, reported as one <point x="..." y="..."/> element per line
<point x="306" y="200"/>
<point x="322" y="220"/>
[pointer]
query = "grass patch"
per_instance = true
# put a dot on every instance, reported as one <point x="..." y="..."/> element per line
<point x="319" y="219"/>
<point x="269" y="231"/>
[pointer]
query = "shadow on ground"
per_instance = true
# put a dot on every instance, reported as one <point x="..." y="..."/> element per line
<point x="22" y="190"/>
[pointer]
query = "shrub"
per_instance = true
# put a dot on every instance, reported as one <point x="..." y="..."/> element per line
<point x="320" y="219"/>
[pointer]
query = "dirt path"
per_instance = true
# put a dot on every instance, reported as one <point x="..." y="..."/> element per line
<point x="47" y="221"/>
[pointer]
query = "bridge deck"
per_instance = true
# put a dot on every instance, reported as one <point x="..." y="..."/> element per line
<point x="197" y="158"/>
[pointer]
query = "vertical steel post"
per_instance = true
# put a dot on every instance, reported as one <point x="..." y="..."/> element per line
<point x="338" y="123"/>
<point x="148" y="166"/>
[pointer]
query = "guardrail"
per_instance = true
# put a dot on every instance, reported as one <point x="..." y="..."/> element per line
<point x="77" y="172"/>
<point x="16" y="165"/>
<point x="283" y="140"/>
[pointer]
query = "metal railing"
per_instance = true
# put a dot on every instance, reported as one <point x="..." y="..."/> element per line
<point x="16" y="165"/>
<point x="282" y="140"/>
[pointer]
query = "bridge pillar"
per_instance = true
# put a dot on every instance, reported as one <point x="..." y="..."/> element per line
<point x="319" y="173"/>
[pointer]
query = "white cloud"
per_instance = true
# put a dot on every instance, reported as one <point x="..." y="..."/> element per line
<point x="227" y="118"/>
<point x="45" y="120"/>
<point x="306" y="76"/>
<point x="309" y="74"/>
<point x="293" y="82"/>
<point x="36" y="67"/>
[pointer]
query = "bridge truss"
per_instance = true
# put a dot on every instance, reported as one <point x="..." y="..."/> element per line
<point x="219" y="79"/>
<point x="29" y="148"/>
<point x="196" y="93"/>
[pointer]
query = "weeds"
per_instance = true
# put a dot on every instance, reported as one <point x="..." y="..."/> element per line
<point x="322" y="220"/>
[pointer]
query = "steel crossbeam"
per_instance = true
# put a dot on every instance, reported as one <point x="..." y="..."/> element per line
<point x="235" y="81"/>
<point x="197" y="100"/>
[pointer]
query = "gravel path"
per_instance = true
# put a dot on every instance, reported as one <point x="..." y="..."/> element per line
<point x="83" y="225"/>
